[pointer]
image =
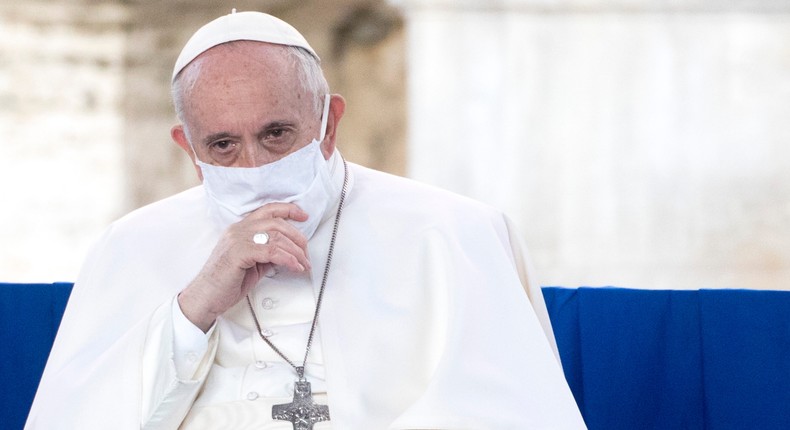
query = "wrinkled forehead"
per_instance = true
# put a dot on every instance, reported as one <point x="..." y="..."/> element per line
<point x="238" y="57"/>
<point x="235" y="72"/>
<point x="241" y="26"/>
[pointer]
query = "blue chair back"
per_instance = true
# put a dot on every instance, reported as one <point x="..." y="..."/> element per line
<point x="29" y="318"/>
<point x="647" y="359"/>
<point x="634" y="359"/>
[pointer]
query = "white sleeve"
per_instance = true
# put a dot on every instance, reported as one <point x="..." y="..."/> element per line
<point x="176" y="360"/>
<point x="190" y="344"/>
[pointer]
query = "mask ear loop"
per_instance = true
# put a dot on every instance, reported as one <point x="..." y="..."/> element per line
<point x="325" y="117"/>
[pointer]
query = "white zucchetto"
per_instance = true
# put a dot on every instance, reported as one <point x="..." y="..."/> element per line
<point x="256" y="26"/>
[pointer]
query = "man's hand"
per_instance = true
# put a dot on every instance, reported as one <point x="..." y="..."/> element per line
<point x="237" y="263"/>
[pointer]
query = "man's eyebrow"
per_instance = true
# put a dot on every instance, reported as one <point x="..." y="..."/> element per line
<point x="263" y="130"/>
<point x="274" y="124"/>
<point x="215" y="137"/>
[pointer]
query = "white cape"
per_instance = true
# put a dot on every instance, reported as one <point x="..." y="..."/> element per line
<point x="425" y="322"/>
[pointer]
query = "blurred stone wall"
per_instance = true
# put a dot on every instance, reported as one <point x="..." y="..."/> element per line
<point x="639" y="143"/>
<point x="635" y="143"/>
<point x="86" y="114"/>
<point x="61" y="166"/>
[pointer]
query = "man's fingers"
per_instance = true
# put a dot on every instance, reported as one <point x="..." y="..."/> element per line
<point x="281" y="254"/>
<point x="279" y="243"/>
<point x="285" y="246"/>
<point x="276" y="225"/>
<point x="279" y="210"/>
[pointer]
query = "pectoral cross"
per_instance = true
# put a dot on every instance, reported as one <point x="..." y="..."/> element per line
<point x="302" y="412"/>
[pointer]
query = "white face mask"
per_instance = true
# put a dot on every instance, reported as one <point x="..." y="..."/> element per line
<point x="302" y="178"/>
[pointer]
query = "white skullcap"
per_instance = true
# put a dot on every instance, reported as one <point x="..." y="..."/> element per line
<point x="255" y="26"/>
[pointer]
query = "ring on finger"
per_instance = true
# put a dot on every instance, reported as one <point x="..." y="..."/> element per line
<point x="261" y="238"/>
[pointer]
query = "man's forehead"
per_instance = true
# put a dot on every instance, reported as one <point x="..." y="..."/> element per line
<point x="240" y="52"/>
<point x="251" y="26"/>
<point x="241" y="64"/>
<point x="244" y="79"/>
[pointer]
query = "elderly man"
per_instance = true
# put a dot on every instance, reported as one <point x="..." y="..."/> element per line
<point x="294" y="290"/>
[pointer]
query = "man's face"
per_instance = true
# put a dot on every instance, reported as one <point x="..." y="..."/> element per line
<point x="246" y="107"/>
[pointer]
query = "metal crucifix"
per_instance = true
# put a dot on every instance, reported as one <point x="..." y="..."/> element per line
<point x="302" y="412"/>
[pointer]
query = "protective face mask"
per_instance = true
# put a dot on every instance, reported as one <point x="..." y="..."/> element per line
<point x="302" y="178"/>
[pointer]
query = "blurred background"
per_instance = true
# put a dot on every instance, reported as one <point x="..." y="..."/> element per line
<point x="635" y="143"/>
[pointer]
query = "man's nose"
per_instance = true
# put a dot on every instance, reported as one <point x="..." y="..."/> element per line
<point x="251" y="155"/>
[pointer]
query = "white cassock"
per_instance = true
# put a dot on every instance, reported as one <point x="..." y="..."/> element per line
<point x="425" y="324"/>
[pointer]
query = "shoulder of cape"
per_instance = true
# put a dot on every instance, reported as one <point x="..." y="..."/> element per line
<point x="385" y="191"/>
<point x="183" y="208"/>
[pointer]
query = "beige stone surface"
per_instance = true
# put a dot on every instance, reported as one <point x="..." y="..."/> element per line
<point x="61" y="162"/>
<point x="86" y="114"/>
<point x="639" y="143"/>
<point x="643" y="150"/>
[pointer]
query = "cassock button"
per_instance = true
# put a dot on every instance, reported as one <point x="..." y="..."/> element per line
<point x="252" y="395"/>
<point x="260" y="364"/>
<point x="267" y="303"/>
<point x="267" y="333"/>
<point x="192" y="357"/>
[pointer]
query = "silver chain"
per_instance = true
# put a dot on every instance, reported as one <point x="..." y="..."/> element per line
<point x="300" y="369"/>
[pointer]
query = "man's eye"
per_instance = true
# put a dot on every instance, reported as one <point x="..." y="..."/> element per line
<point x="276" y="133"/>
<point x="222" y="145"/>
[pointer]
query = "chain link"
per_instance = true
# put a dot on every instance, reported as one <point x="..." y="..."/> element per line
<point x="300" y="369"/>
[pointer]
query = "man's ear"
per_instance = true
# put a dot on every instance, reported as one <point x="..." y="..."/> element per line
<point x="337" y="106"/>
<point x="180" y="138"/>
